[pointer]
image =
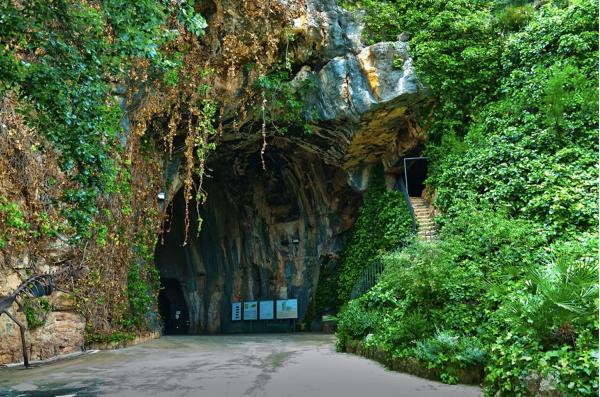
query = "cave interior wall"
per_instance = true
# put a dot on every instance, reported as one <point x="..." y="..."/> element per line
<point x="265" y="234"/>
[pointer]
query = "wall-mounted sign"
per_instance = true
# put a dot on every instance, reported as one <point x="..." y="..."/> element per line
<point x="251" y="310"/>
<point x="236" y="311"/>
<point x="266" y="310"/>
<point x="287" y="308"/>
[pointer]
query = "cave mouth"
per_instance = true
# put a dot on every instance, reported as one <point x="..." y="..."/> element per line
<point x="173" y="308"/>
<point x="415" y="175"/>
<point x="263" y="236"/>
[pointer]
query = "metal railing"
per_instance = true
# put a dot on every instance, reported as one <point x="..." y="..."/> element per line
<point x="367" y="280"/>
<point x="402" y="187"/>
<point x="371" y="274"/>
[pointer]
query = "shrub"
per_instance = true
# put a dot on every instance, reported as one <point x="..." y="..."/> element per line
<point x="561" y="295"/>
<point x="355" y="322"/>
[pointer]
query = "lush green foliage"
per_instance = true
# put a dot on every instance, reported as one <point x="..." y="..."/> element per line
<point x="512" y="285"/>
<point x="60" y="60"/>
<point x="383" y="223"/>
<point x="450" y="351"/>
<point x="73" y="66"/>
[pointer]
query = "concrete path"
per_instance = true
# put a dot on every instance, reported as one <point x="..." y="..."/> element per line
<point x="281" y="365"/>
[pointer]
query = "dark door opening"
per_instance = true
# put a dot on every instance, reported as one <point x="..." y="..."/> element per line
<point x="173" y="308"/>
<point x="415" y="172"/>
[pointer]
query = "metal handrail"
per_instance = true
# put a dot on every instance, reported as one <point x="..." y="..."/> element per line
<point x="367" y="280"/>
<point x="402" y="187"/>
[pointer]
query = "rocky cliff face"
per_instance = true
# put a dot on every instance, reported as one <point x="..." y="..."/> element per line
<point x="266" y="233"/>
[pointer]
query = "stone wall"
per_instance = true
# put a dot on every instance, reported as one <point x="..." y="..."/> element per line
<point x="62" y="332"/>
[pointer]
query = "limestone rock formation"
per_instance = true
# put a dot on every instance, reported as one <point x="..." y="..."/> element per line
<point x="269" y="232"/>
<point x="266" y="233"/>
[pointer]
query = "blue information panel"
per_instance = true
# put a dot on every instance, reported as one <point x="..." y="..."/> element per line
<point x="287" y="308"/>
<point x="251" y="310"/>
<point x="236" y="311"/>
<point x="266" y="311"/>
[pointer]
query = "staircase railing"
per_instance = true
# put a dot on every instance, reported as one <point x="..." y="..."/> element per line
<point x="402" y="187"/>
<point x="371" y="274"/>
<point x="367" y="280"/>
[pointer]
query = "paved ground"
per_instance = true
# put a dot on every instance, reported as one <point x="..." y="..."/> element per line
<point x="282" y="365"/>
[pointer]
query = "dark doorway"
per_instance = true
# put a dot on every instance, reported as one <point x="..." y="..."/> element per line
<point x="173" y="308"/>
<point x="415" y="174"/>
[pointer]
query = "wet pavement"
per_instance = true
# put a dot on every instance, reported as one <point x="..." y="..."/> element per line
<point x="273" y="365"/>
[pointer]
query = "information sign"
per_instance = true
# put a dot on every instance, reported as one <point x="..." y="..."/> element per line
<point x="266" y="310"/>
<point x="287" y="308"/>
<point x="251" y="310"/>
<point x="236" y="311"/>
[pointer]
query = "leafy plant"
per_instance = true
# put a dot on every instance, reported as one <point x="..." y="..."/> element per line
<point x="36" y="311"/>
<point x="383" y="223"/>
<point x="561" y="296"/>
<point x="355" y="322"/>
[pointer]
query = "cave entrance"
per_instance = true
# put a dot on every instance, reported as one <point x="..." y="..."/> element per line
<point x="173" y="308"/>
<point x="263" y="233"/>
<point x="415" y="174"/>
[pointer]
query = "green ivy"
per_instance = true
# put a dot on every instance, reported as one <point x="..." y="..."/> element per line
<point x="36" y="311"/>
<point x="514" y="167"/>
<point x="383" y="223"/>
<point x="57" y="56"/>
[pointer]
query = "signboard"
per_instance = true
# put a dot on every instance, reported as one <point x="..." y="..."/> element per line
<point x="236" y="311"/>
<point x="287" y="308"/>
<point x="251" y="310"/>
<point x="266" y="310"/>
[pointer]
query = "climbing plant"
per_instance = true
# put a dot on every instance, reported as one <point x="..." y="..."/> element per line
<point x="383" y="223"/>
<point x="100" y="92"/>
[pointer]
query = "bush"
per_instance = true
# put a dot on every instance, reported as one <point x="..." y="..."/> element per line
<point x="513" y="357"/>
<point x="561" y="296"/>
<point x="449" y="351"/>
<point x="355" y="322"/>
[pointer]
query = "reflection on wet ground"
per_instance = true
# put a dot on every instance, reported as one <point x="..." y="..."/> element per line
<point x="281" y="365"/>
